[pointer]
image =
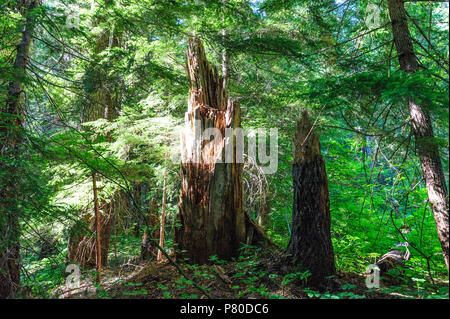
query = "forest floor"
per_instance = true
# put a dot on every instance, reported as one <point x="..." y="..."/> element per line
<point x="249" y="278"/>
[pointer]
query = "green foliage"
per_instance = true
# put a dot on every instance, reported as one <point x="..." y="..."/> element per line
<point x="284" y="56"/>
<point x="301" y="276"/>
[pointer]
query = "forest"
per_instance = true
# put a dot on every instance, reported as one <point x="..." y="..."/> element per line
<point x="224" y="149"/>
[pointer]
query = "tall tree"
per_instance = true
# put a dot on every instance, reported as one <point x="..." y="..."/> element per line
<point x="101" y="102"/>
<point x="422" y="127"/>
<point x="11" y="137"/>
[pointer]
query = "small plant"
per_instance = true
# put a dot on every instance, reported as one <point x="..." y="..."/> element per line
<point x="167" y="295"/>
<point x="276" y="296"/>
<point x="262" y="290"/>
<point x="348" y="287"/>
<point x="137" y="292"/>
<point x="215" y="259"/>
<point x="182" y="283"/>
<point x="302" y="276"/>
<point x="312" y="293"/>
<point x="185" y="295"/>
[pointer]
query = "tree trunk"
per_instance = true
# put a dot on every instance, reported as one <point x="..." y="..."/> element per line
<point x="98" y="230"/>
<point x="11" y="126"/>
<point x="225" y="57"/>
<point x="151" y="234"/>
<point x="264" y="211"/>
<point x="102" y="103"/>
<point x="310" y="246"/>
<point x="83" y="244"/>
<point x="163" y="219"/>
<point x="211" y="204"/>
<point x="423" y="130"/>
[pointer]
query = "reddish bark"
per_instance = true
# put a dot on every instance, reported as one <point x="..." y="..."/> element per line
<point x="151" y="234"/>
<point x="163" y="219"/>
<point x="211" y="206"/>
<point x="83" y="244"/>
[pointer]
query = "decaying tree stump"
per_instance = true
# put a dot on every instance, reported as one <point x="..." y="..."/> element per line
<point x="151" y="234"/>
<point x="82" y="241"/>
<point x="310" y="246"/>
<point x="211" y="206"/>
<point x="83" y="247"/>
<point x="211" y="212"/>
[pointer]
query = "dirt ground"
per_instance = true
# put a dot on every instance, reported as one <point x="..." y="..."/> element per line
<point x="252" y="279"/>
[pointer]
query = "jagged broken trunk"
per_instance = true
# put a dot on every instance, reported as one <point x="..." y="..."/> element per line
<point x="211" y="202"/>
<point x="310" y="245"/>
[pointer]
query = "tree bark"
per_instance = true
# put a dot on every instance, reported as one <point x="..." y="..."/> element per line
<point x="151" y="234"/>
<point x="225" y="57"/>
<point x="428" y="152"/>
<point x="310" y="246"/>
<point x="82" y="246"/>
<point x="211" y="203"/>
<point x="102" y="103"/>
<point x="11" y="127"/>
<point x="163" y="219"/>
<point x="264" y="211"/>
<point x="98" y="230"/>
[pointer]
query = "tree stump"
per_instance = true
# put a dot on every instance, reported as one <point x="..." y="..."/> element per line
<point x="82" y="241"/>
<point x="310" y="246"/>
<point x="211" y="202"/>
